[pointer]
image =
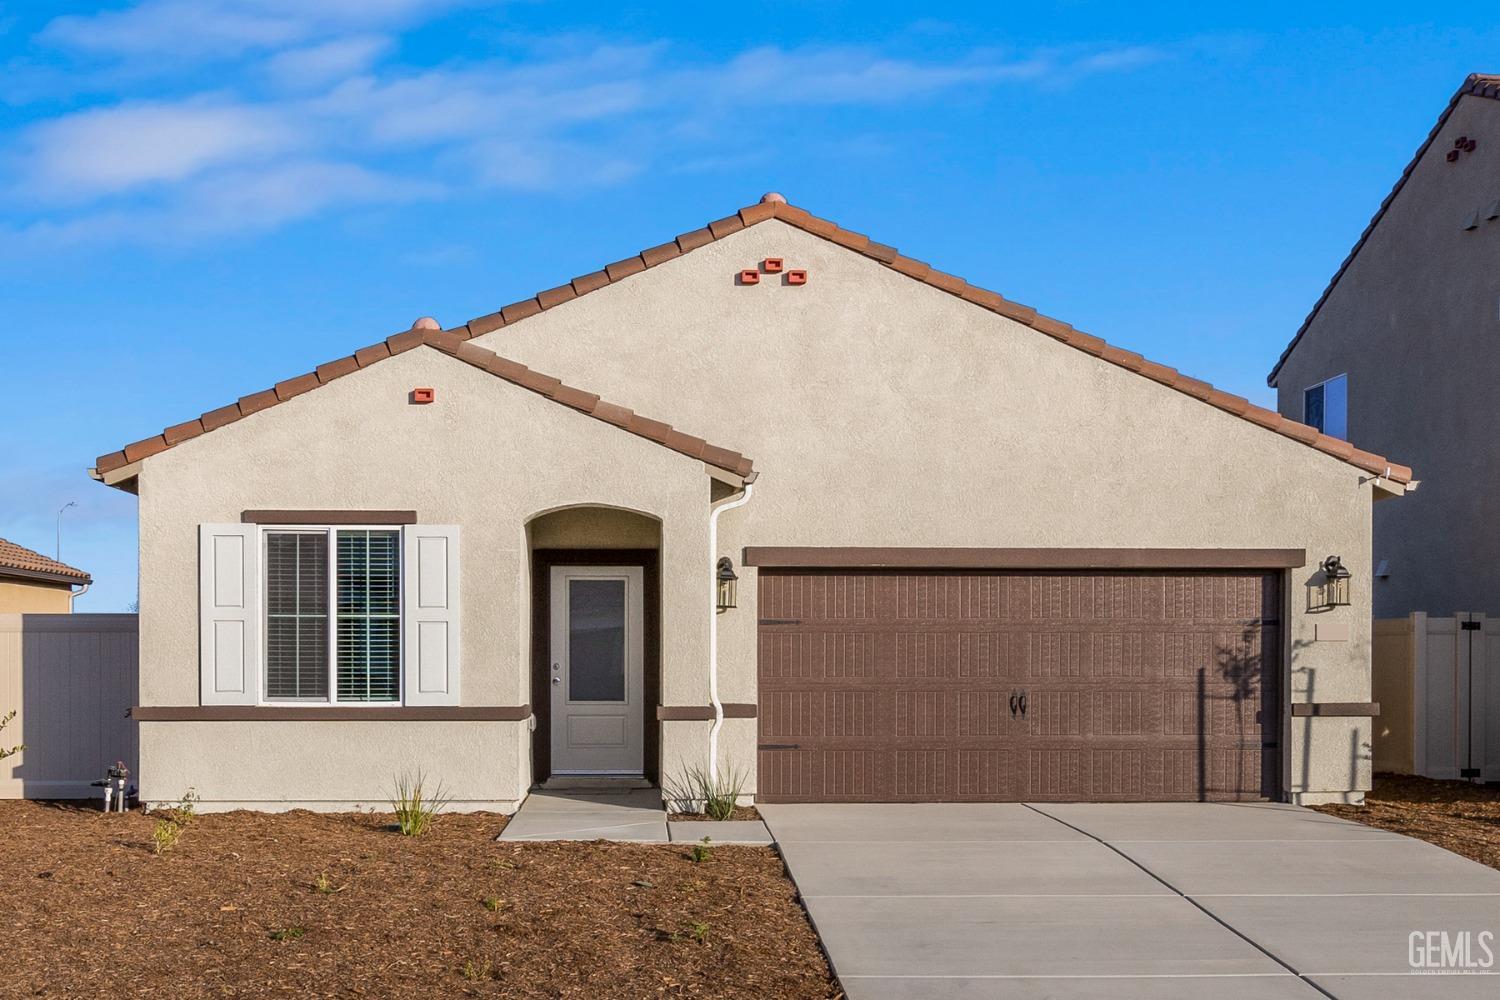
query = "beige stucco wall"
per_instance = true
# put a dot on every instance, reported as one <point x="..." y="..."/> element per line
<point x="34" y="597"/>
<point x="1415" y="323"/>
<point x="880" y="411"/>
<point x="487" y="456"/>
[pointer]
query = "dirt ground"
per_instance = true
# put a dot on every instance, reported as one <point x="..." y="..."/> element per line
<point x="310" y="905"/>
<point x="1455" y="815"/>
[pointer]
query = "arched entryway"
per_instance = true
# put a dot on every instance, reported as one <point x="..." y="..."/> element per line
<point x="595" y="642"/>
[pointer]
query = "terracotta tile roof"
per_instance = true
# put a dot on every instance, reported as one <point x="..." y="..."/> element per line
<point x="455" y="344"/>
<point x="1475" y="85"/>
<point x="802" y="219"/>
<point x="17" y="560"/>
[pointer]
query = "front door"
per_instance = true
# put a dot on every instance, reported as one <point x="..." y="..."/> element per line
<point x="598" y="716"/>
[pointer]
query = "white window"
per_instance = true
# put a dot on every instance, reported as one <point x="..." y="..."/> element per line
<point x="1326" y="406"/>
<point x="332" y="614"/>
<point x="329" y="614"/>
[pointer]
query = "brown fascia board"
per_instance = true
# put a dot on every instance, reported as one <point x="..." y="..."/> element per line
<point x="45" y="576"/>
<point x="800" y="218"/>
<point x="1475" y="85"/>
<point x="452" y="344"/>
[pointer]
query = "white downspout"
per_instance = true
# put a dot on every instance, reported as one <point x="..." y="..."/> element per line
<point x="74" y="595"/>
<point x="713" y="628"/>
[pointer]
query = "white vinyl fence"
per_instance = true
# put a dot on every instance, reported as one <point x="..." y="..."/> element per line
<point x="71" y="680"/>
<point x="1438" y="684"/>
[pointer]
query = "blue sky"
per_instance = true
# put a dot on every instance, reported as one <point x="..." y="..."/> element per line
<point x="202" y="197"/>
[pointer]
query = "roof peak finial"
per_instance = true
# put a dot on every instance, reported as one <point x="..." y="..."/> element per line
<point x="773" y="197"/>
<point x="426" y="323"/>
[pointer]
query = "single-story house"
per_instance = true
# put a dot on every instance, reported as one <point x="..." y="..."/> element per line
<point x="769" y="498"/>
<point x="31" y="583"/>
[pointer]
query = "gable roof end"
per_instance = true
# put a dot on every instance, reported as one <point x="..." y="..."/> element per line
<point x="451" y="343"/>
<point x="799" y="218"/>
<point x="1475" y="85"/>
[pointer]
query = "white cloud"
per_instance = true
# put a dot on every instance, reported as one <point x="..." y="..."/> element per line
<point x="195" y="29"/>
<point x="325" y="62"/>
<point x="323" y="117"/>
<point x="108" y="150"/>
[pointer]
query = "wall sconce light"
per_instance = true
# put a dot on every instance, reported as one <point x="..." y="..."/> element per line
<point x="1335" y="583"/>
<point x="728" y="583"/>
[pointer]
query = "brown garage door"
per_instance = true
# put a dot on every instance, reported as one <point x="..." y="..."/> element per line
<point x="993" y="686"/>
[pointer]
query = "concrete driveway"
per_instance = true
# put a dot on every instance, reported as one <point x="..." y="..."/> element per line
<point x="1160" y="901"/>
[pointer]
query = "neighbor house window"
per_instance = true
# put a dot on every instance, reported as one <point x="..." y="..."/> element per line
<point x="1326" y="406"/>
<point x="333" y="614"/>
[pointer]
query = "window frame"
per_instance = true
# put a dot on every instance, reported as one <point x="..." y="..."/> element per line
<point x="330" y="531"/>
<point x="1324" y="386"/>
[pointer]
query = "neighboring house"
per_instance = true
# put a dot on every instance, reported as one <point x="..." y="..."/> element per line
<point x="1401" y="353"/>
<point x="32" y="583"/>
<point x="981" y="555"/>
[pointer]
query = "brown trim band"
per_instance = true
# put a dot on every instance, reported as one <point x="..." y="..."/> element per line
<point x="1337" y="710"/>
<point x="330" y="713"/>
<point x="813" y="557"/>
<point x="702" y="713"/>
<point x="328" y="517"/>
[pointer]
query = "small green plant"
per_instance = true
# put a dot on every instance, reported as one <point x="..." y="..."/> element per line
<point x="414" y="807"/>
<point x="493" y="903"/>
<point x="700" y="932"/>
<point x="287" y="933"/>
<point x="184" y="810"/>
<point x="165" y="835"/>
<point x="325" y="885"/>
<point x="9" y="751"/>
<point x="716" y="794"/>
<point x="476" y="972"/>
<point x="701" y="852"/>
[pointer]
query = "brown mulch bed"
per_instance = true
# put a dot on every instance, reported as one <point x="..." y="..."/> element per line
<point x="314" y="905"/>
<point x="1455" y="815"/>
<point x="740" y="812"/>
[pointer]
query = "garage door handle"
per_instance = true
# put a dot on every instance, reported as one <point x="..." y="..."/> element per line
<point x="1012" y="704"/>
<point x="779" y="746"/>
<point x="1023" y="704"/>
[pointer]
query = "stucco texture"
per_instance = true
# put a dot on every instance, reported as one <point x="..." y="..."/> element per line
<point x="1413" y="323"/>
<point x="879" y="412"/>
<point x="488" y="456"/>
<point x="35" y="597"/>
<point x="883" y="412"/>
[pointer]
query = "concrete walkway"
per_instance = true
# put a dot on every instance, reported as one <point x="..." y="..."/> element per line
<point x="1128" y="902"/>
<point x="634" y="815"/>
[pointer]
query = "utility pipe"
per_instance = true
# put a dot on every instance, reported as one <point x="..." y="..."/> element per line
<point x="713" y="628"/>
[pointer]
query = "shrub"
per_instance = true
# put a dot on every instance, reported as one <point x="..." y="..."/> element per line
<point x="701" y="852"/>
<point x="700" y="932"/>
<point x="287" y="934"/>
<point x="493" y="903"/>
<point x="415" y="809"/>
<point x="165" y="835"/>
<point x="716" y="794"/>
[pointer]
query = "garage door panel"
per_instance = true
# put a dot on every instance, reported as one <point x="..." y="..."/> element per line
<point x="988" y="686"/>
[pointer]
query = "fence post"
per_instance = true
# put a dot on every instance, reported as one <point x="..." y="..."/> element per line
<point x="1419" y="727"/>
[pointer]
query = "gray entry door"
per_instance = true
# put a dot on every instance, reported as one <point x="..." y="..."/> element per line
<point x="598" y="711"/>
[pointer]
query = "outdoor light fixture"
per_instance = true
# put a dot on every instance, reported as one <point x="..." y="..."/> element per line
<point x="1335" y="583"/>
<point x="727" y="582"/>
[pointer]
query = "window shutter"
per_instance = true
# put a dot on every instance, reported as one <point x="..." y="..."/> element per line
<point x="429" y="614"/>
<point x="228" y="614"/>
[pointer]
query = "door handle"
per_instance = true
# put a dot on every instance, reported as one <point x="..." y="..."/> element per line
<point x="1012" y="704"/>
<point x="557" y="680"/>
<point x="1023" y="704"/>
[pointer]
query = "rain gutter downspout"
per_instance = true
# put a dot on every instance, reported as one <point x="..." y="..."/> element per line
<point x="713" y="628"/>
